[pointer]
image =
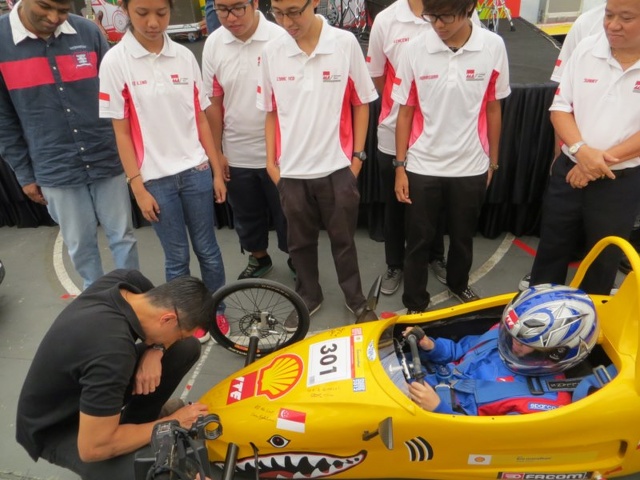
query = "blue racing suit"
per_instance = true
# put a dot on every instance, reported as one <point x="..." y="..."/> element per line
<point x="471" y="378"/>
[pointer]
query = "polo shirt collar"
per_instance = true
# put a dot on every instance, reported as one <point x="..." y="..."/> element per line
<point x="19" y="32"/>
<point x="326" y="42"/>
<point x="260" y="35"/>
<point x="136" y="50"/>
<point x="132" y="319"/>
<point x="404" y="13"/>
<point x="475" y="42"/>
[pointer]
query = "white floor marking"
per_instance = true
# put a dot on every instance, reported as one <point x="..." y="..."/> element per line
<point x="61" y="271"/>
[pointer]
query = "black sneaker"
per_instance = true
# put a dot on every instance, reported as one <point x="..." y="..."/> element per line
<point x="466" y="296"/>
<point x="257" y="267"/>
<point x="391" y="281"/>
<point x="439" y="268"/>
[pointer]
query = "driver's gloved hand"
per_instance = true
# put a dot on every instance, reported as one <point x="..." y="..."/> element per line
<point x="417" y="332"/>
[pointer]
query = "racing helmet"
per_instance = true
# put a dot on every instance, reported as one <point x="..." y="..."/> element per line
<point x="547" y="329"/>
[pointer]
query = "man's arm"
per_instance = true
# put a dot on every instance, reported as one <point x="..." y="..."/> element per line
<point x="592" y="162"/>
<point x="13" y="146"/>
<point x="403" y="131"/>
<point x="215" y="116"/>
<point x="101" y="438"/>
<point x="270" y="138"/>
<point x="206" y="140"/>
<point x="360" y="127"/>
<point x="494" y="127"/>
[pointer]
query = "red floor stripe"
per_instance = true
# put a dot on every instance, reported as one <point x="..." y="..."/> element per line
<point x="531" y="251"/>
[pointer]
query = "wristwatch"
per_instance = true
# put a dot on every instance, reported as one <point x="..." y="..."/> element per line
<point x="573" y="149"/>
<point x="494" y="166"/>
<point x="399" y="163"/>
<point x="362" y="156"/>
<point x="158" y="346"/>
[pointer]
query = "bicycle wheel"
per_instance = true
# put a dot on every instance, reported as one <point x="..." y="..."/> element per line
<point x="260" y="306"/>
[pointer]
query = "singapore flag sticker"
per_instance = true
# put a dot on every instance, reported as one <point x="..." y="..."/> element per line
<point x="291" y="420"/>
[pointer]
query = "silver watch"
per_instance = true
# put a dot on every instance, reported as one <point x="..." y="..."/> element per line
<point x="573" y="149"/>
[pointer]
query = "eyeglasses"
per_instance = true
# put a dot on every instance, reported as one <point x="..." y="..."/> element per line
<point x="292" y="14"/>
<point x="238" y="11"/>
<point x="445" y="18"/>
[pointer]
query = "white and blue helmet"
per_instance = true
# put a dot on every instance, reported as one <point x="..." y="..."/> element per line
<point x="558" y="323"/>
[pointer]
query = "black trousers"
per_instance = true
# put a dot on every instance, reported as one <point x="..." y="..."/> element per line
<point x="394" y="225"/>
<point x="308" y="204"/>
<point x="255" y="202"/>
<point x="461" y="200"/>
<point x="572" y="215"/>
<point x="61" y="445"/>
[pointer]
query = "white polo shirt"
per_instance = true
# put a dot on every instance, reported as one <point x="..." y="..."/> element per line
<point x="230" y="68"/>
<point x="450" y="92"/>
<point x="587" y="24"/>
<point x="391" y="31"/>
<point x="312" y="96"/>
<point x="604" y="100"/>
<point x="160" y="95"/>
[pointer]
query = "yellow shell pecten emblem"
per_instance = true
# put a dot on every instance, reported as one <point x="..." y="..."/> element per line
<point x="280" y="376"/>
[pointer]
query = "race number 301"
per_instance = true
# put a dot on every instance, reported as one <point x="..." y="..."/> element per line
<point x="329" y="361"/>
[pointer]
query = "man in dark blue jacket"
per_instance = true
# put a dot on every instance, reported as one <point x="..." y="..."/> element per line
<point x="64" y="156"/>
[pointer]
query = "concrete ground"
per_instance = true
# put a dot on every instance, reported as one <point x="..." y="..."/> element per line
<point x="40" y="279"/>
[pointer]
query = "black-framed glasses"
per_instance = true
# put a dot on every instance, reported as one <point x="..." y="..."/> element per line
<point x="445" y="18"/>
<point x="292" y="14"/>
<point x="238" y="11"/>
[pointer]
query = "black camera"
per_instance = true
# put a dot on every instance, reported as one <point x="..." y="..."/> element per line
<point x="176" y="453"/>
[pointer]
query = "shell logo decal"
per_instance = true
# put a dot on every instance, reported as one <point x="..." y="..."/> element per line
<point x="272" y="381"/>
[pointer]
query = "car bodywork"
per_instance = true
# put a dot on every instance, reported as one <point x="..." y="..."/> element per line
<point x="334" y="406"/>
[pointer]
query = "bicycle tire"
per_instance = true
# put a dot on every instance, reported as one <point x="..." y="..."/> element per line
<point x="246" y="303"/>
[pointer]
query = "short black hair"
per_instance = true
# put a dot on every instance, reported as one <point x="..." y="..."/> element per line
<point x="460" y="8"/>
<point x="190" y="297"/>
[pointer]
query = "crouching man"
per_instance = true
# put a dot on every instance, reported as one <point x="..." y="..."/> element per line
<point x="106" y="367"/>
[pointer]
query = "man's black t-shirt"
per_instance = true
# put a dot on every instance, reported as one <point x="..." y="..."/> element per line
<point x="85" y="361"/>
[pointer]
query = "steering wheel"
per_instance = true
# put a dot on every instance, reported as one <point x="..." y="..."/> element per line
<point x="411" y="362"/>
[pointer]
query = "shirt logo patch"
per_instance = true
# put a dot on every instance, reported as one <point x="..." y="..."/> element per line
<point x="82" y="60"/>
<point x="177" y="80"/>
<point x="636" y="88"/>
<point x="286" y="79"/>
<point x="328" y="78"/>
<point x="433" y="76"/>
<point x="590" y="80"/>
<point x="137" y="83"/>
<point x="401" y="40"/>
<point x="472" y="76"/>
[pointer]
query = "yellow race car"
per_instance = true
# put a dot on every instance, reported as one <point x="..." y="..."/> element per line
<point x="336" y="405"/>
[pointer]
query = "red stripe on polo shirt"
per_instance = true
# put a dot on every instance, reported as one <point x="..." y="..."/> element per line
<point x="387" y="102"/>
<point x="489" y="96"/>
<point x="417" y="125"/>
<point x="32" y="72"/>
<point x="77" y="66"/>
<point x="397" y="81"/>
<point x="558" y="62"/>
<point x="346" y="119"/>
<point x="274" y="108"/>
<point x="104" y="96"/>
<point x="217" y="89"/>
<point x="134" y="126"/>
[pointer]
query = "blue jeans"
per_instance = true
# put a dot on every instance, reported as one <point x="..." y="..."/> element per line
<point x="79" y="209"/>
<point x="211" y="17"/>
<point x="186" y="207"/>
